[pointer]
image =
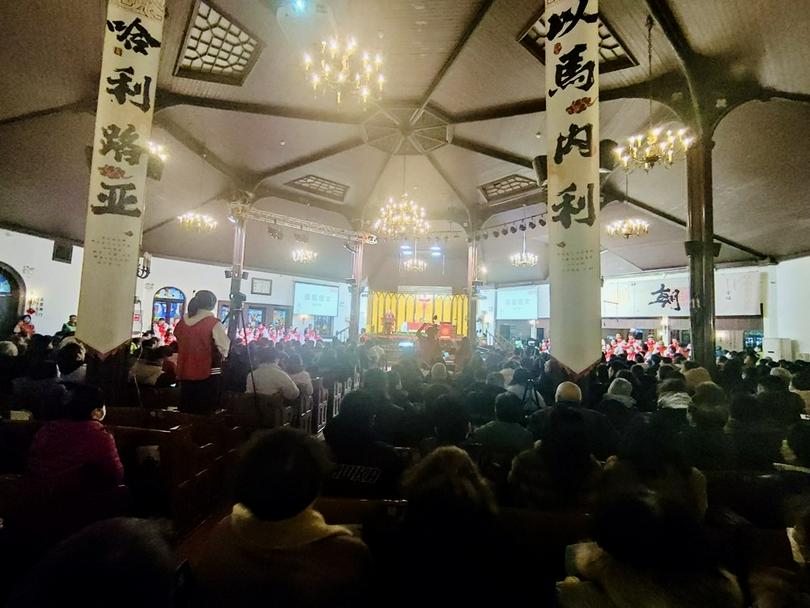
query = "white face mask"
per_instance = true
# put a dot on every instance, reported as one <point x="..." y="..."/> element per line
<point x="100" y="414"/>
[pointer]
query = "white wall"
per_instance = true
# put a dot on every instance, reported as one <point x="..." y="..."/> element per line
<point x="58" y="283"/>
<point x="793" y="303"/>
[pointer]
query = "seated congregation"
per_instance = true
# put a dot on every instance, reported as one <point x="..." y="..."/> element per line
<point x="323" y="478"/>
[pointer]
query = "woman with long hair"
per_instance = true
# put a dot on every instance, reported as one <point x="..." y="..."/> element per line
<point x="202" y="344"/>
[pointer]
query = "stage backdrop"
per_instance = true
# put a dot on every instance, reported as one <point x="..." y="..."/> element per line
<point x="417" y="308"/>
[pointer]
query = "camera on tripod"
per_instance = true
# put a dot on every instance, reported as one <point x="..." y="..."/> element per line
<point x="238" y="299"/>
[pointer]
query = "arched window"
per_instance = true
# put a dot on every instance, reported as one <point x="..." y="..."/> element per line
<point x="12" y="298"/>
<point x="169" y="304"/>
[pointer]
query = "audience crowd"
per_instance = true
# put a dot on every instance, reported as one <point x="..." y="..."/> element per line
<point x="634" y="447"/>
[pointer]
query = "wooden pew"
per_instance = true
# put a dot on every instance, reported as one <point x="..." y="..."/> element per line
<point x="320" y="404"/>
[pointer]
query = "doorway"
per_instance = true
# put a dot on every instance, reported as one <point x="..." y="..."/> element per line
<point x="12" y="298"/>
<point x="169" y="304"/>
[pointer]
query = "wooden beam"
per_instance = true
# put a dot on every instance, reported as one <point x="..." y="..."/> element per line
<point x="83" y="105"/>
<point x="240" y="178"/>
<point x="448" y="63"/>
<point x="311" y="158"/>
<point x="611" y="194"/>
<point x="167" y="99"/>
<point x="364" y="206"/>
<point x="486" y="150"/>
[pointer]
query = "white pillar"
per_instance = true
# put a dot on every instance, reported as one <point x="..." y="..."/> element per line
<point x="126" y="98"/>
<point x="572" y="133"/>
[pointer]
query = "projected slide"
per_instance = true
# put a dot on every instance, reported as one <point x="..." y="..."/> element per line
<point x="312" y="299"/>
<point x="517" y="304"/>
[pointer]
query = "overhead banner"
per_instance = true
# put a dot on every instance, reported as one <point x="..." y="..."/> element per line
<point x="126" y="98"/>
<point x="572" y="133"/>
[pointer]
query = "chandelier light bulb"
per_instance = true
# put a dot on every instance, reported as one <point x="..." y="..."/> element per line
<point x="196" y="222"/>
<point x="338" y="67"/>
<point x="628" y="228"/>
<point x="304" y="255"/>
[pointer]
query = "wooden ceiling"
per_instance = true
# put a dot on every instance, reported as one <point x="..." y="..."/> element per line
<point x="459" y="58"/>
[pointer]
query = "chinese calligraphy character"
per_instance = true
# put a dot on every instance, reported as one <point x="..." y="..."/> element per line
<point x="571" y="70"/>
<point x="568" y="207"/>
<point x="567" y="21"/>
<point x="665" y="298"/>
<point x="134" y="36"/>
<point x="120" y="88"/>
<point x="121" y="143"/>
<point x="566" y="144"/>
<point x="117" y="201"/>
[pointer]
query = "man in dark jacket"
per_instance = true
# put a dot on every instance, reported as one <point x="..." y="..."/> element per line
<point x="602" y="436"/>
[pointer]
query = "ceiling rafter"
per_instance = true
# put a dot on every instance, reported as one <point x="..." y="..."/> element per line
<point x="240" y="178"/>
<point x="480" y="148"/>
<point x="167" y="99"/>
<point x="83" y="105"/>
<point x="319" y="155"/>
<point x="448" y="63"/>
<point x="270" y="190"/>
<point x="611" y="194"/>
<point x="377" y="178"/>
<point x="468" y="205"/>
<point x="222" y="196"/>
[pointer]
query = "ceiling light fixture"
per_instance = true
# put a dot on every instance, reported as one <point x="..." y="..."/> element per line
<point x="414" y="264"/>
<point x="340" y="66"/>
<point x="403" y="218"/>
<point x="657" y="146"/>
<point x="523" y="259"/>
<point x="197" y="222"/>
<point x="303" y="255"/>
<point x="628" y="228"/>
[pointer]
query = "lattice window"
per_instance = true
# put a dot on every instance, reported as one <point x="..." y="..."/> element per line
<point x="613" y="55"/>
<point x="170" y="293"/>
<point x="216" y="47"/>
<point x="507" y="187"/>
<point x="320" y="186"/>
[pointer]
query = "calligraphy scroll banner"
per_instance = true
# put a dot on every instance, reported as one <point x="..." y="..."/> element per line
<point x="129" y="69"/>
<point x="572" y="131"/>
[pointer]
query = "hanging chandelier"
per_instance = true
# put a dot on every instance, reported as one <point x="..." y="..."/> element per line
<point x="197" y="222"/>
<point x="658" y="146"/>
<point x="523" y="259"/>
<point x="628" y="228"/>
<point x="341" y="67"/>
<point x="401" y="218"/>
<point x="304" y="255"/>
<point x="414" y="264"/>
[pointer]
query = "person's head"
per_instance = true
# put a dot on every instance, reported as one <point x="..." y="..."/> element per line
<point x="646" y="531"/>
<point x="72" y="320"/>
<point x="746" y="408"/>
<point x="783" y="374"/>
<point x="125" y="562"/>
<point x="8" y="349"/>
<point x="265" y="356"/>
<point x="672" y="385"/>
<point x="374" y="380"/>
<point x="709" y="407"/>
<point x="25" y="318"/>
<point x="495" y="379"/>
<point x="438" y="372"/>
<point x="70" y="357"/>
<point x="294" y="364"/>
<point x="799" y="441"/>
<point x="653" y="448"/>
<point x="621" y="387"/>
<point x="771" y="384"/>
<point x="800" y="382"/>
<point x="689" y="365"/>
<point x="509" y="408"/>
<point x="451" y="421"/>
<point x="665" y="370"/>
<point x="520" y="377"/>
<point x="84" y="403"/>
<point x="695" y="377"/>
<point x="280" y="474"/>
<point x="202" y="300"/>
<point x="568" y="392"/>
<point x="446" y="487"/>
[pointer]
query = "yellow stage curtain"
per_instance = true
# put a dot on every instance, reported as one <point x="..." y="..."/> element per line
<point x="417" y="308"/>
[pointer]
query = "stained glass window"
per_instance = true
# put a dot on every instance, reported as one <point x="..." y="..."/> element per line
<point x="170" y="293"/>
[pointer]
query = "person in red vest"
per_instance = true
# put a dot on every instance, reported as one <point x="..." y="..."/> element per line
<point x="202" y="344"/>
